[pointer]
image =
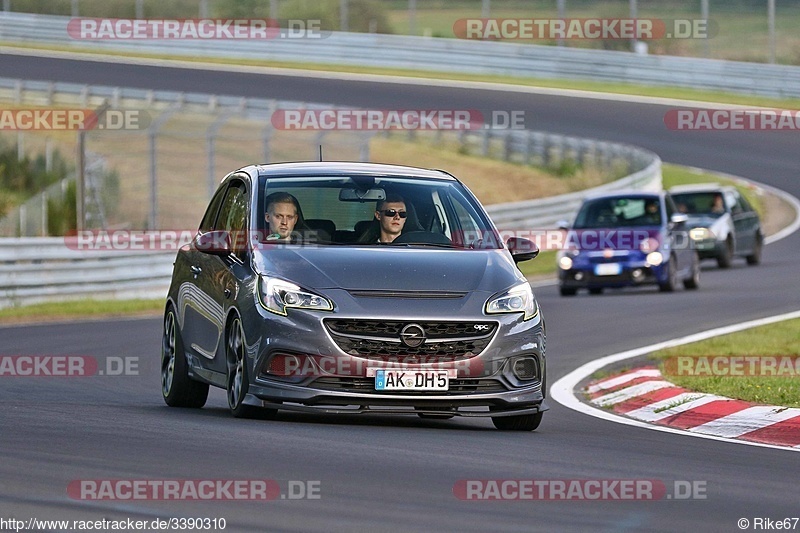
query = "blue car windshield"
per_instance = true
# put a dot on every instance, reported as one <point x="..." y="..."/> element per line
<point x="371" y="210"/>
<point x="619" y="212"/>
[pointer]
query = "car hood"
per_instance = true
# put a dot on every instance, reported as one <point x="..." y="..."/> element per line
<point x="391" y="269"/>
<point x="706" y="221"/>
<point x="599" y="239"/>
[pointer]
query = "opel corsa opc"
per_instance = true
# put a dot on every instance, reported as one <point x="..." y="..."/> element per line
<point x="293" y="295"/>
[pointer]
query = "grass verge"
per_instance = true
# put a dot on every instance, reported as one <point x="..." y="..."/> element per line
<point x="774" y="340"/>
<point x="80" y="309"/>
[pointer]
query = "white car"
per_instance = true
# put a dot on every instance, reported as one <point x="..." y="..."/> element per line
<point x="722" y="223"/>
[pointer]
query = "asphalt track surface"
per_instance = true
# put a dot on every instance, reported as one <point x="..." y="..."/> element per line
<point x="398" y="474"/>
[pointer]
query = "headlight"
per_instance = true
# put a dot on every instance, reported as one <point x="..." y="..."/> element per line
<point x="516" y="300"/>
<point x="277" y="295"/>
<point x="700" y="234"/>
<point x="565" y="263"/>
<point x="654" y="258"/>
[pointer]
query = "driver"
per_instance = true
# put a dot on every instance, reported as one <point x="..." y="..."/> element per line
<point x="391" y="215"/>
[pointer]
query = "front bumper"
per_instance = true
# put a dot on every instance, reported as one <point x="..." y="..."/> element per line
<point x="632" y="274"/>
<point x="332" y="381"/>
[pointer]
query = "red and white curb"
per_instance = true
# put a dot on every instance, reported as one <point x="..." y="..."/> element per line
<point x="642" y="398"/>
<point x="644" y="395"/>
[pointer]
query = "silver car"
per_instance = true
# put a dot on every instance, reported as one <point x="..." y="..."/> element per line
<point x="722" y="224"/>
<point x="334" y="317"/>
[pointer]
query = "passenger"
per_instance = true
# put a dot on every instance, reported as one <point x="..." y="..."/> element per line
<point x="283" y="213"/>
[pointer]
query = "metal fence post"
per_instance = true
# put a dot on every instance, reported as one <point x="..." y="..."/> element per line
<point x="152" y="134"/>
<point x="211" y="137"/>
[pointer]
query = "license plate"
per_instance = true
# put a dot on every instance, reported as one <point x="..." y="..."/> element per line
<point x="412" y="379"/>
<point x="608" y="269"/>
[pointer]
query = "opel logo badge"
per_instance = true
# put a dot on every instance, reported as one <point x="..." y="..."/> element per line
<point x="412" y="335"/>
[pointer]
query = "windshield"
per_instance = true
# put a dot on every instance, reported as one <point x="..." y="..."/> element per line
<point x="619" y="212"/>
<point x="700" y="203"/>
<point x="371" y="210"/>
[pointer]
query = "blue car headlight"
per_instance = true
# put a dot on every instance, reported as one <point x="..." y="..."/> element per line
<point x="277" y="295"/>
<point x="518" y="299"/>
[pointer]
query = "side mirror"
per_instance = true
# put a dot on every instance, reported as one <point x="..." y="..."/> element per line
<point x="678" y="218"/>
<point x="562" y="225"/>
<point x="522" y="249"/>
<point x="217" y="242"/>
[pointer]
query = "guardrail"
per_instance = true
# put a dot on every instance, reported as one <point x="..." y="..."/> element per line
<point x="438" y="54"/>
<point x="45" y="269"/>
<point x="42" y="269"/>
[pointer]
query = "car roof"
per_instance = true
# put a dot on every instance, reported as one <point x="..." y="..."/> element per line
<point x="699" y="187"/>
<point x="348" y="168"/>
<point x="633" y="193"/>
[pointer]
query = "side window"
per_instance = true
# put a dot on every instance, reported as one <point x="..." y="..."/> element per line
<point x="469" y="227"/>
<point x="207" y="224"/>
<point x="233" y="215"/>
<point x="744" y="204"/>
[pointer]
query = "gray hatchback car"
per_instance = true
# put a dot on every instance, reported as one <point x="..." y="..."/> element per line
<point x="354" y="288"/>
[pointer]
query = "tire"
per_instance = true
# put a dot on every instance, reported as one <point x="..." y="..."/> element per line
<point x="517" y="423"/>
<point x="238" y="382"/>
<point x="672" y="277"/>
<point x="755" y="258"/>
<point x="177" y="388"/>
<point x="693" y="281"/>
<point x="725" y="258"/>
<point x="596" y="290"/>
<point x="565" y="291"/>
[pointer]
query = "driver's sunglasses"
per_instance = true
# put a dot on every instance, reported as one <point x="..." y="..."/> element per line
<point x="392" y="212"/>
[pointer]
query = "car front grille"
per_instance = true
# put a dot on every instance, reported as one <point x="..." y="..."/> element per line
<point x="379" y="340"/>
<point x="361" y="384"/>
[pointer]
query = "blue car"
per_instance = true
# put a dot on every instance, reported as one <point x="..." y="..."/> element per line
<point x="627" y="239"/>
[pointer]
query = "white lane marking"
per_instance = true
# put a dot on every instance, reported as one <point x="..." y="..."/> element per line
<point x="610" y="383"/>
<point x="672" y="406"/>
<point x="563" y="390"/>
<point x="630" y="392"/>
<point x="745" y="421"/>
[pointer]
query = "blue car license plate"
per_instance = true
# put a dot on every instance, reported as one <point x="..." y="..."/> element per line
<point x="608" y="269"/>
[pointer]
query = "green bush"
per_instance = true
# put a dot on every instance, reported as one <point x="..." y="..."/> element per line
<point x="26" y="177"/>
<point x="62" y="214"/>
